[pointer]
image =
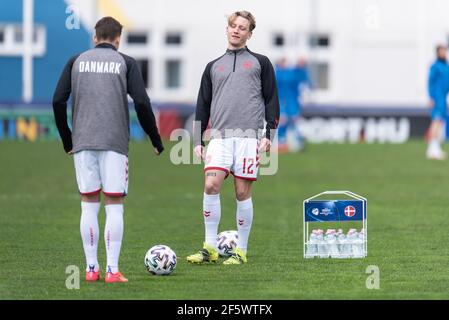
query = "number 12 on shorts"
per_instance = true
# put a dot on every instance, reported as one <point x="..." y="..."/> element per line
<point x="247" y="165"/>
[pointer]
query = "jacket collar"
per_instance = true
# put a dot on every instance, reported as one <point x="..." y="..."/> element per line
<point x="238" y="51"/>
<point x="105" y="45"/>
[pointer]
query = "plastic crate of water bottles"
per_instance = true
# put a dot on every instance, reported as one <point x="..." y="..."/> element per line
<point x="348" y="235"/>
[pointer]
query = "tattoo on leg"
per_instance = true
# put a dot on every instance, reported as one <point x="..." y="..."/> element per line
<point x="211" y="174"/>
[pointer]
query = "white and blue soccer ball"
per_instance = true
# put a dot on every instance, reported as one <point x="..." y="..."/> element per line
<point x="160" y="260"/>
<point x="227" y="242"/>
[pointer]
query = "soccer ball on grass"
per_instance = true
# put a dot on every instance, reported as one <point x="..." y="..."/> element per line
<point x="160" y="260"/>
<point x="227" y="242"/>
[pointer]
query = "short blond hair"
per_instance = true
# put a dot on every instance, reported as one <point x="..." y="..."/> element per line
<point x="244" y="14"/>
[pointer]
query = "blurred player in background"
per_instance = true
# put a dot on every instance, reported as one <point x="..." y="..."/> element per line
<point x="99" y="81"/>
<point x="438" y="87"/>
<point x="291" y="82"/>
<point x="238" y="91"/>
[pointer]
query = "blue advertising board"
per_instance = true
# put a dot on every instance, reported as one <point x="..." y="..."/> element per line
<point x="334" y="210"/>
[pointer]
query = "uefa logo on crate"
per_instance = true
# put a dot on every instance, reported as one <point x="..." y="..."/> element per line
<point x="345" y="218"/>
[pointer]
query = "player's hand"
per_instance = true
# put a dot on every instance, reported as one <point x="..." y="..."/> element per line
<point x="431" y="103"/>
<point x="199" y="151"/>
<point x="158" y="148"/>
<point x="265" y="145"/>
<point x="71" y="152"/>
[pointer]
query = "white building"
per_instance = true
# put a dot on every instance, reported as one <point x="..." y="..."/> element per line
<point x="363" y="52"/>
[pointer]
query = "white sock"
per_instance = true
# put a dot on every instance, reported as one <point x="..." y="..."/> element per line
<point x="244" y="222"/>
<point x="434" y="146"/>
<point x="212" y="215"/>
<point x="438" y="145"/>
<point x="113" y="234"/>
<point x="90" y="233"/>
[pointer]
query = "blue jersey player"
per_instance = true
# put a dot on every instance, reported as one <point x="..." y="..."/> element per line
<point x="438" y="87"/>
<point x="291" y="81"/>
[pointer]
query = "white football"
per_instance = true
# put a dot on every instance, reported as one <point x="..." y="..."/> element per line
<point x="227" y="242"/>
<point x="160" y="260"/>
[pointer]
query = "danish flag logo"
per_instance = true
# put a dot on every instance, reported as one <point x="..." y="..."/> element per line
<point x="349" y="211"/>
<point x="247" y="64"/>
<point x="207" y="214"/>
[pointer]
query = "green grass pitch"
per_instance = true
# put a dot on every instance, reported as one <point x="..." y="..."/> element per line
<point x="408" y="199"/>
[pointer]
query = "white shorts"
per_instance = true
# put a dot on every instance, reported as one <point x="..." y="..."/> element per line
<point x="238" y="156"/>
<point x="97" y="170"/>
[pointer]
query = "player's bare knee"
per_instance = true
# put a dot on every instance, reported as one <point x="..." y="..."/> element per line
<point x="242" y="193"/>
<point x="212" y="186"/>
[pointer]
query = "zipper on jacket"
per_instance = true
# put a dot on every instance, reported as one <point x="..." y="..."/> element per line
<point x="235" y="58"/>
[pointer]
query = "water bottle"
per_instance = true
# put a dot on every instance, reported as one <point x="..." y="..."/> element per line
<point x="353" y="239"/>
<point x="361" y="243"/>
<point x="312" y="249"/>
<point x="331" y="242"/>
<point x="343" y="247"/>
<point x="321" y="244"/>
